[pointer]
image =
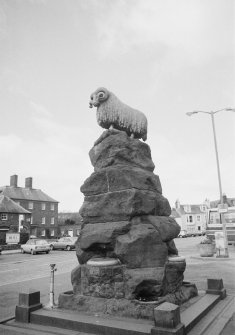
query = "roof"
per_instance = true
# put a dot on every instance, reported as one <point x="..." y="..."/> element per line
<point x="194" y="209"/>
<point x="22" y="193"/>
<point x="9" y="206"/>
<point x="174" y="213"/>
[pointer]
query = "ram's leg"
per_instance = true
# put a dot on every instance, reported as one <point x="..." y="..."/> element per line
<point x="111" y="127"/>
<point x="132" y="135"/>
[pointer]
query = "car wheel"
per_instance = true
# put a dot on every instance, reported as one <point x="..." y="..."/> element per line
<point x="68" y="248"/>
<point x="22" y="251"/>
<point x="47" y="252"/>
<point x="33" y="252"/>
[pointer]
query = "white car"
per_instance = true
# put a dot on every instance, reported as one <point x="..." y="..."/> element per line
<point x="34" y="246"/>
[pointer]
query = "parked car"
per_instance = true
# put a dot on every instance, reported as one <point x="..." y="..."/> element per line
<point x="182" y="234"/>
<point x="0" y="250"/>
<point x="64" y="243"/>
<point x="34" y="246"/>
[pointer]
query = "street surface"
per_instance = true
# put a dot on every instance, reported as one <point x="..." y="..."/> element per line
<point x="198" y="269"/>
<point x="19" y="272"/>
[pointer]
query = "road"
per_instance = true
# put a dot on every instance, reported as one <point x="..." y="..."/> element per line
<point x="18" y="272"/>
<point x="198" y="269"/>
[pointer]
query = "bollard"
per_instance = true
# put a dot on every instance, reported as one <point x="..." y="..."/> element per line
<point x="52" y="302"/>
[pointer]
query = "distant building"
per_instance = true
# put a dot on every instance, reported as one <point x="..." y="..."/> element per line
<point x="69" y="223"/>
<point x="229" y="201"/>
<point x="191" y="218"/>
<point x="13" y="217"/>
<point x="44" y="209"/>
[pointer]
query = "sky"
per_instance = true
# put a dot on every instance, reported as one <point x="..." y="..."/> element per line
<point x="162" y="57"/>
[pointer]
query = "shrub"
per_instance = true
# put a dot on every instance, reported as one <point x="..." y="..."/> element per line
<point x="206" y="241"/>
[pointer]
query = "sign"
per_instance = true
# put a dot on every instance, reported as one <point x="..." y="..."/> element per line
<point x="219" y="240"/>
<point x="12" y="238"/>
<point x="222" y="208"/>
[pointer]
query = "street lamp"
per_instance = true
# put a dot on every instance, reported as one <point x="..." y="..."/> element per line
<point x="218" y="168"/>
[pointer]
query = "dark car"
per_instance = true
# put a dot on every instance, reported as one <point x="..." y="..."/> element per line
<point x="64" y="243"/>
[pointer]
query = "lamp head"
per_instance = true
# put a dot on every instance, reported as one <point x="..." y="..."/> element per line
<point x="191" y="113"/>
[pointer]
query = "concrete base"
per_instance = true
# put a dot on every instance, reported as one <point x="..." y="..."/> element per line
<point x="168" y="318"/>
<point x="28" y="302"/>
<point x="96" y="324"/>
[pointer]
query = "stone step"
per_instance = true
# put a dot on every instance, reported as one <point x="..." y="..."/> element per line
<point x="90" y="324"/>
<point x="193" y="314"/>
<point x="216" y="319"/>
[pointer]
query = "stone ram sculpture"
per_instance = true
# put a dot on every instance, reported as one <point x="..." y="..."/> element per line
<point x="112" y="113"/>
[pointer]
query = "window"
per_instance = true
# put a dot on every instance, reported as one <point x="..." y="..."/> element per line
<point x="31" y="220"/>
<point x="30" y="205"/>
<point x="198" y="228"/>
<point x="3" y="217"/>
<point x="52" y="207"/>
<point x="190" y="218"/>
<point x="52" y="220"/>
<point x="43" y="232"/>
<point x="52" y="232"/>
<point x="43" y="206"/>
<point x="43" y="220"/>
<point x="198" y="218"/>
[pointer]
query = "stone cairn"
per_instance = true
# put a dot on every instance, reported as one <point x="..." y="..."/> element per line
<point x="128" y="262"/>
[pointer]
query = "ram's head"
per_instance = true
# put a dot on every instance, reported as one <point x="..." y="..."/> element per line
<point x="100" y="95"/>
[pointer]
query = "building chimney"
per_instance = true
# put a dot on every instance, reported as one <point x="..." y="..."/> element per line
<point x="14" y="180"/>
<point x="29" y="182"/>
<point x="177" y="204"/>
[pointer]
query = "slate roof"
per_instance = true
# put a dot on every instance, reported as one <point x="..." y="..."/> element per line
<point x="194" y="209"/>
<point x="22" y="193"/>
<point x="174" y="213"/>
<point x="9" y="206"/>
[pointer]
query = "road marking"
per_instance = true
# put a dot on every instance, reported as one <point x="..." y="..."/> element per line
<point x="32" y="278"/>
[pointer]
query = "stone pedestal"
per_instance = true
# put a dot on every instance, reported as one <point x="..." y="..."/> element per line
<point x="126" y="219"/>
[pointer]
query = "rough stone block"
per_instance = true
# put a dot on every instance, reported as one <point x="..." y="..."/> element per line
<point x="216" y="286"/>
<point x="167" y="315"/>
<point x="120" y="149"/>
<point x="174" y="274"/>
<point x="142" y="282"/>
<point x="142" y="247"/>
<point x="123" y="205"/>
<point x="167" y="227"/>
<point x="103" y="233"/>
<point x="120" y="178"/>
<point x="76" y="279"/>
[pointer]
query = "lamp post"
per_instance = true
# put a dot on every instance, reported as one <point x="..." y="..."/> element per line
<point x="218" y="168"/>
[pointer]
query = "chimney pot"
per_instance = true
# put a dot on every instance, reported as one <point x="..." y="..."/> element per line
<point x="29" y="182"/>
<point x="14" y="180"/>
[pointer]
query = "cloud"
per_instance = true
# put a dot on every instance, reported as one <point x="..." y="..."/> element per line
<point x="188" y="28"/>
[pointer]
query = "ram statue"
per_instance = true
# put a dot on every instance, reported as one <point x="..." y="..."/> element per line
<point x="112" y="113"/>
